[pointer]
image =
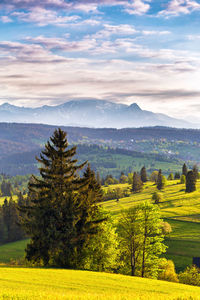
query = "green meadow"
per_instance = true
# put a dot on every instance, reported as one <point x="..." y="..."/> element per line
<point x="181" y="210"/>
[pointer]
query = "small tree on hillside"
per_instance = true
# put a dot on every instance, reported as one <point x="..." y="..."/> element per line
<point x="184" y="170"/>
<point x="177" y="175"/>
<point x="157" y="197"/>
<point x="195" y="171"/>
<point x="183" y="179"/>
<point x="190" y="182"/>
<point x="170" y="177"/>
<point x="143" y="174"/>
<point x="161" y="181"/>
<point x="137" y="184"/>
<point x="154" y="176"/>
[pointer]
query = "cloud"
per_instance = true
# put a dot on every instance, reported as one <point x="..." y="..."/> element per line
<point x="137" y="7"/>
<point x="178" y="7"/>
<point x="44" y="17"/>
<point x="123" y="29"/>
<point x="62" y="44"/>
<point x="6" y="19"/>
<point x="155" y="32"/>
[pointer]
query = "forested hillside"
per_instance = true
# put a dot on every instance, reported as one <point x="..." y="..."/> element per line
<point x="19" y="143"/>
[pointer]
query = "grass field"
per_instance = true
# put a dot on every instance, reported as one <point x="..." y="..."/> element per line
<point x="30" y="284"/>
<point x="181" y="210"/>
<point x="12" y="251"/>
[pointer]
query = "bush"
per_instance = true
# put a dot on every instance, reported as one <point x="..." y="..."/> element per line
<point x="166" y="228"/>
<point x="167" y="271"/>
<point x="170" y="177"/>
<point x="183" y="179"/>
<point x="191" y="276"/>
<point x="157" y="197"/>
<point x="154" y="176"/>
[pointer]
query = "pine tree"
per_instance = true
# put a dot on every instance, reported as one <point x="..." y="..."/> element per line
<point x="89" y="218"/>
<point x="177" y="175"/>
<point x="161" y="181"/>
<point x="137" y="184"/>
<point x="184" y="170"/>
<point x="195" y="171"/>
<point x="143" y="174"/>
<point x="190" y="182"/>
<point x="62" y="208"/>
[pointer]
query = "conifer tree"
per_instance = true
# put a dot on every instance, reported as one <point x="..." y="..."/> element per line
<point x="190" y="182"/>
<point x="195" y="171"/>
<point x="184" y="170"/>
<point x="177" y="175"/>
<point x="61" y="214"/>
<point x="161" y="181"/>
<point x="137" y="184"/>
<point x="143" y="174"/>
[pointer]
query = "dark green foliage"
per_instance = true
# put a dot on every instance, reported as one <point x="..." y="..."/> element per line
<point x="184" y="170"/>
<point x="137" y="185"/>
<point x="190" y="182"/>
<point x="10" y="222"/>
<point x="6" y="188"/>
<point x="177" y="175"/>
<point x="62" y="214"/>
<point x="143" y="174"/>
<point x="160" y="181"/>
<point x="195" y="171"/>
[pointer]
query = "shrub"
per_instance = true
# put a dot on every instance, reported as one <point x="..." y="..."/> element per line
<point x="170" y="177"/>
<point x="157" y="197"/>
<point x="183" y="179"/>
<point x="154" y="176"/>
<point x="166" y="228"/>
<point x="191" y="276"/>
<point x="167" y="271"/>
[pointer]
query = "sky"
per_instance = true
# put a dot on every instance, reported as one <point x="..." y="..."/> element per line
<point x="125" y="51"/>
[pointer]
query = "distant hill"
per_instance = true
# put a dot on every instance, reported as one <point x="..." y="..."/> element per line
<point x="90" y="113"/>
<point x="19" y="143"/>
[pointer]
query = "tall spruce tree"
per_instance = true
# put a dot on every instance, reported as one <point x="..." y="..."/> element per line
<point x="62" y="211"/>
<point x="190" y="182"/>
<point x="184" y="170"/>
<point x="143" y="174"/>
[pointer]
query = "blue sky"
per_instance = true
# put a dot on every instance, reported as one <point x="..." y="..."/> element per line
<point x="144" y="51"/>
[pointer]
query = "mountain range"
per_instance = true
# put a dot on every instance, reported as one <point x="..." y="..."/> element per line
<point x="90" y="113"/>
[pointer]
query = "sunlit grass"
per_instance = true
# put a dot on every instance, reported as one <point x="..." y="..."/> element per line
<point x="24" y="283"/>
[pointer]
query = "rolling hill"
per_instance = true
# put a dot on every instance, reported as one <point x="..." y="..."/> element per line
<point x="180" y="209"/>
<point x="32" y="284"/>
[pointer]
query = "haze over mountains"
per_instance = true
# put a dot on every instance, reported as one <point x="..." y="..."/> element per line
<point x="90" y="113"/>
